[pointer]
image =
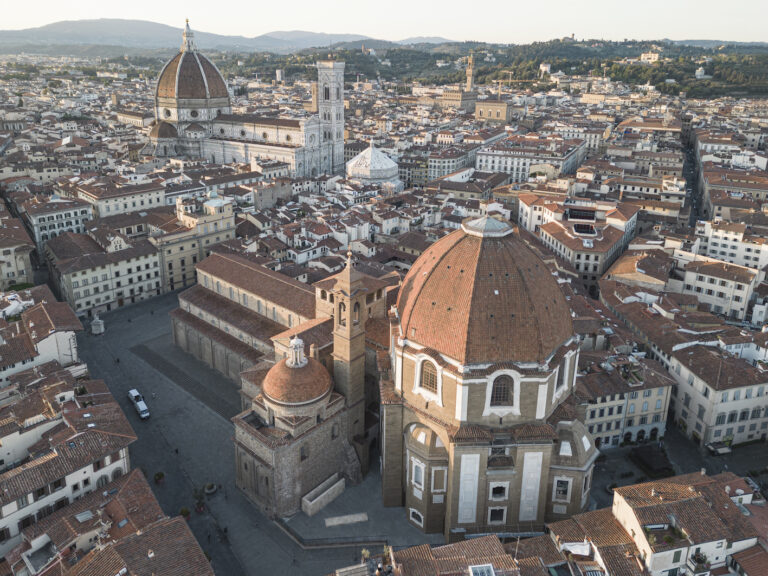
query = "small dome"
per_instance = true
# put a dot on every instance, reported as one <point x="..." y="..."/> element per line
<point x="372" y="164"/>
<point x="163" y="130"/>
<point x="297" y="379"/>
<point x="190" y="75"/>
<point x="482" y="296"/>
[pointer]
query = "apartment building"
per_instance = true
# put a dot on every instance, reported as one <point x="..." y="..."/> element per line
<point x="685" y="525"/>
<point x="733" y="242"/>
<point x="109" y="198"/>
<point x="589" y="234"/>
<point x="726" y="289"/>
<point x="16" y="248"/>
<point x="47" y="217"/>
<point x="624" y="398"/>
<point x="521" y="156"/>
<point x="120" y="525"/>
<point x="103" y="270"/>
<point x="44" y="332"/>
<point x="719" y="397"/>
<point x="665" y="189"/>
<point x="185" y="237"/>
<point x="445" y="161"/>
<point x="67" y="439"/>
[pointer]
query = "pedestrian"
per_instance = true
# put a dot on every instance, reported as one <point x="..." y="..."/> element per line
<point x="209" y="537"/>
<point x="176" y="450"/>
<point x="154" y="395"/>
<point x="117" y="360"/>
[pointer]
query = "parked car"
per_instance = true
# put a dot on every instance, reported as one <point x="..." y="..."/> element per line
<point x="138" y="402"/>
<point x="719" y="448"/>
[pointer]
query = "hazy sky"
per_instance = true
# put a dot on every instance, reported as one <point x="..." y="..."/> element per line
<point x="516" y="21"/>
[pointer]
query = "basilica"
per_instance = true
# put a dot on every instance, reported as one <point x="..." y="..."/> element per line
<point x="194" y="119"/>
<point x="472" y="424"/>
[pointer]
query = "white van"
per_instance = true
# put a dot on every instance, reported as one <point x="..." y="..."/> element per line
<point x="138" y="403"/>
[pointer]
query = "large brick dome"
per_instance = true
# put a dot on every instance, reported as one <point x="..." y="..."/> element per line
<point x="482" y="296"/>
<point x="190" y="76"/>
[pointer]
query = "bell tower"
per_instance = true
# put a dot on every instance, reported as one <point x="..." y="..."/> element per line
<point x="349" y="352"/>
<point x="330" y="106"/>
<point x="470" y="73"/>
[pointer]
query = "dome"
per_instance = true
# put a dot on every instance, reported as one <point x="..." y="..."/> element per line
<point x="190" y="75"/>
<point x="297" y="379"/>
<point x="481" y="296"/>
<point x="372" y="164"/>
<point x="163" y="130"/>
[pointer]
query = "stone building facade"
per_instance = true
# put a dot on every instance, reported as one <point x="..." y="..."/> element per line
<point x="477" y="433"/>
<point x="305" y="428"/>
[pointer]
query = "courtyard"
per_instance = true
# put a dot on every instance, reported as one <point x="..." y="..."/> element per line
<point x="188" y="438"/>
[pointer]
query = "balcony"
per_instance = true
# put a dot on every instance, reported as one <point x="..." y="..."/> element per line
<point x="698" y="565"/>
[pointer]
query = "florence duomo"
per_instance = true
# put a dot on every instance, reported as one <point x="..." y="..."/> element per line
<point x="193" y="118"/>
<point x="415" y="289"/>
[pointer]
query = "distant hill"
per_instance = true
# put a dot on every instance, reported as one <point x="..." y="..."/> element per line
<point x="151" y="35"/>
<point x="425" y="40"/>
<point x="710" y="44"/>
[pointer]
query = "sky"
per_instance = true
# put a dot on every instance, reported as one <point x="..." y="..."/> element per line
<point x="503" y="21"/>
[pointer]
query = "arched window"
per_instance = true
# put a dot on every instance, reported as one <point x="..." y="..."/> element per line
<point x="326" y="93"/>
<point x="502" y="393"/>
<point x="429" y="377"/>
<point x="342" y="312"/>
<point x="323" y="295"/>
<point x="356" y="313"/>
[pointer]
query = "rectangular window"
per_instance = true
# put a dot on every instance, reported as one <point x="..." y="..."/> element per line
<point x="562" y="490"/>
<point x="439" y="477"/>
<point x="417" y="474"/>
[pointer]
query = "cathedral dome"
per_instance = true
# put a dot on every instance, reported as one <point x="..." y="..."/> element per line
<point x="296" y="380"/>
<point x="190" y="76"/>
<point x="482" y="296"/>
<point x="372" y="165"/>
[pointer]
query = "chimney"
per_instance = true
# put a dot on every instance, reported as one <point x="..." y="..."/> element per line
<point x="150" y="553"/>
<point x="653" y="491"/>
<point x="703" y="471"/>
<point x="727" y="489"/>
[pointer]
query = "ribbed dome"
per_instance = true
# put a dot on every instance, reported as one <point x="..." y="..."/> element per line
<point x="190" y="75"/>
<point x="297" y="379"/>
<point x="481" y="295"/>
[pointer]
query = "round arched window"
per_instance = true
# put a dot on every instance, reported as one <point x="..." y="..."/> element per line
<point x="288" y="138"/>
<point x="264" y="135"/>
<point x="194" y="114"/>
<point x="221" y="130"/>
<point x="167" y="113"/>
<point x="428" y="377"/>
<point x="502" y="393"/>
<point x="242" y="132"/>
